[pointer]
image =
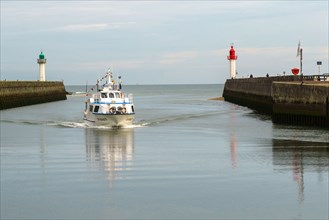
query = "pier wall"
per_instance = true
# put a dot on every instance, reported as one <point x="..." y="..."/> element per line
<point x="254" y="93"/>
<point x="21" y="93"/>
<point x="289" y="99"/>
<point x="301" y="103"/>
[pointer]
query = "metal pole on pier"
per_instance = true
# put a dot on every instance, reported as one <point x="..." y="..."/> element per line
<point x="319" y="63"/>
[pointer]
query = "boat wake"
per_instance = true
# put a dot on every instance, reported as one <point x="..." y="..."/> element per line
<point x="65" y="124"/>
<point x="50" y="123"/>
<point x="174" y="118"/>
<point x="137" y="124"/>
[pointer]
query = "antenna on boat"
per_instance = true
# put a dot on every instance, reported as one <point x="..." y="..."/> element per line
<point x="86" y="86"/>
<point x="109" y="78"/>
<point x="86" y="96"/>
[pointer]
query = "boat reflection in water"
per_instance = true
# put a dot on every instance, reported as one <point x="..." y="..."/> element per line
<point x="301" y="157"/>
<point x="110" y="149"/>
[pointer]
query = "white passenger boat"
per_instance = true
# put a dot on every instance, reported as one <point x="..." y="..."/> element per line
<point x="109" y="107"/>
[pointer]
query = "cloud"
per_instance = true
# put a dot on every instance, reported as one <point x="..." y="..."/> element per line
<point x="84" y="27"/>
<point x="129" y="64"/>
<point x="104" y="64"/>
<point x="172" y="37"/>
<point x="93" y="27"/>
<point x="177" y="57"/>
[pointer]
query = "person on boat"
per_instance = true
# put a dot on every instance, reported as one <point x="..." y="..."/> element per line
<point x="113" y="84"/>
<point x="120" y="83"/>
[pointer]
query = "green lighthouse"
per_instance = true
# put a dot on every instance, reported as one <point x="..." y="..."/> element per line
<point x="42" y="67"/>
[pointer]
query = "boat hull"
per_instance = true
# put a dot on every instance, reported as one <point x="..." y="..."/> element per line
<point x="109" y="120"/>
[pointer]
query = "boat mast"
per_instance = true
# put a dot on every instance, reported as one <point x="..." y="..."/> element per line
<point x="109" y="78"/>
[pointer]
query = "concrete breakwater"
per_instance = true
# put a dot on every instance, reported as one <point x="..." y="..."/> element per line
<point x="21" y="93"/>
<point x="288" y="99"/>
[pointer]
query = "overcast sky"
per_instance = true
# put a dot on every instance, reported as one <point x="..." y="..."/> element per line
<point x="161" y="42"/>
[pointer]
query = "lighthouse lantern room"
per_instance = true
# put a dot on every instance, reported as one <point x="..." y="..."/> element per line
<point x="232" y="58"/>
<point x="42" y="67"/>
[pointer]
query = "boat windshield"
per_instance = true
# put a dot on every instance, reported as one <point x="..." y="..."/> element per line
<point x="117" y="95"/>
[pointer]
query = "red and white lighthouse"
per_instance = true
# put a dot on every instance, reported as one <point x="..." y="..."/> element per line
<point x="232" y="58"/>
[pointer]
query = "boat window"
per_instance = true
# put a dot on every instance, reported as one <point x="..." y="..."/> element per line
<point x="104" y="95"/>
<point x="111" y="95"/>
<point x="117" y="95"/>
<point x="90" y="108"/>
<point x="132" y="109"/>
<point x="96" y="108"/>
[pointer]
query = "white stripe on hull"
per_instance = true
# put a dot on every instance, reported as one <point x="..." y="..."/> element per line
<point x="109" y="120"/>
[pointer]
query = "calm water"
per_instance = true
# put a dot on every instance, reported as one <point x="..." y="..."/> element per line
<point x="185" y="158"/>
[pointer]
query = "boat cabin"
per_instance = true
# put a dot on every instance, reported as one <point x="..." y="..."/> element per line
<point x="111" y="102"/>
<point x="110" y="97"/>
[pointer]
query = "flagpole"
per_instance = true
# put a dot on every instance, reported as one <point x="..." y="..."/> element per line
<point x="301" y="62"/>
<point x="300" y="54"/>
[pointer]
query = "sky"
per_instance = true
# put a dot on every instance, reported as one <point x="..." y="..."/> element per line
<point x="161" y="42"/>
